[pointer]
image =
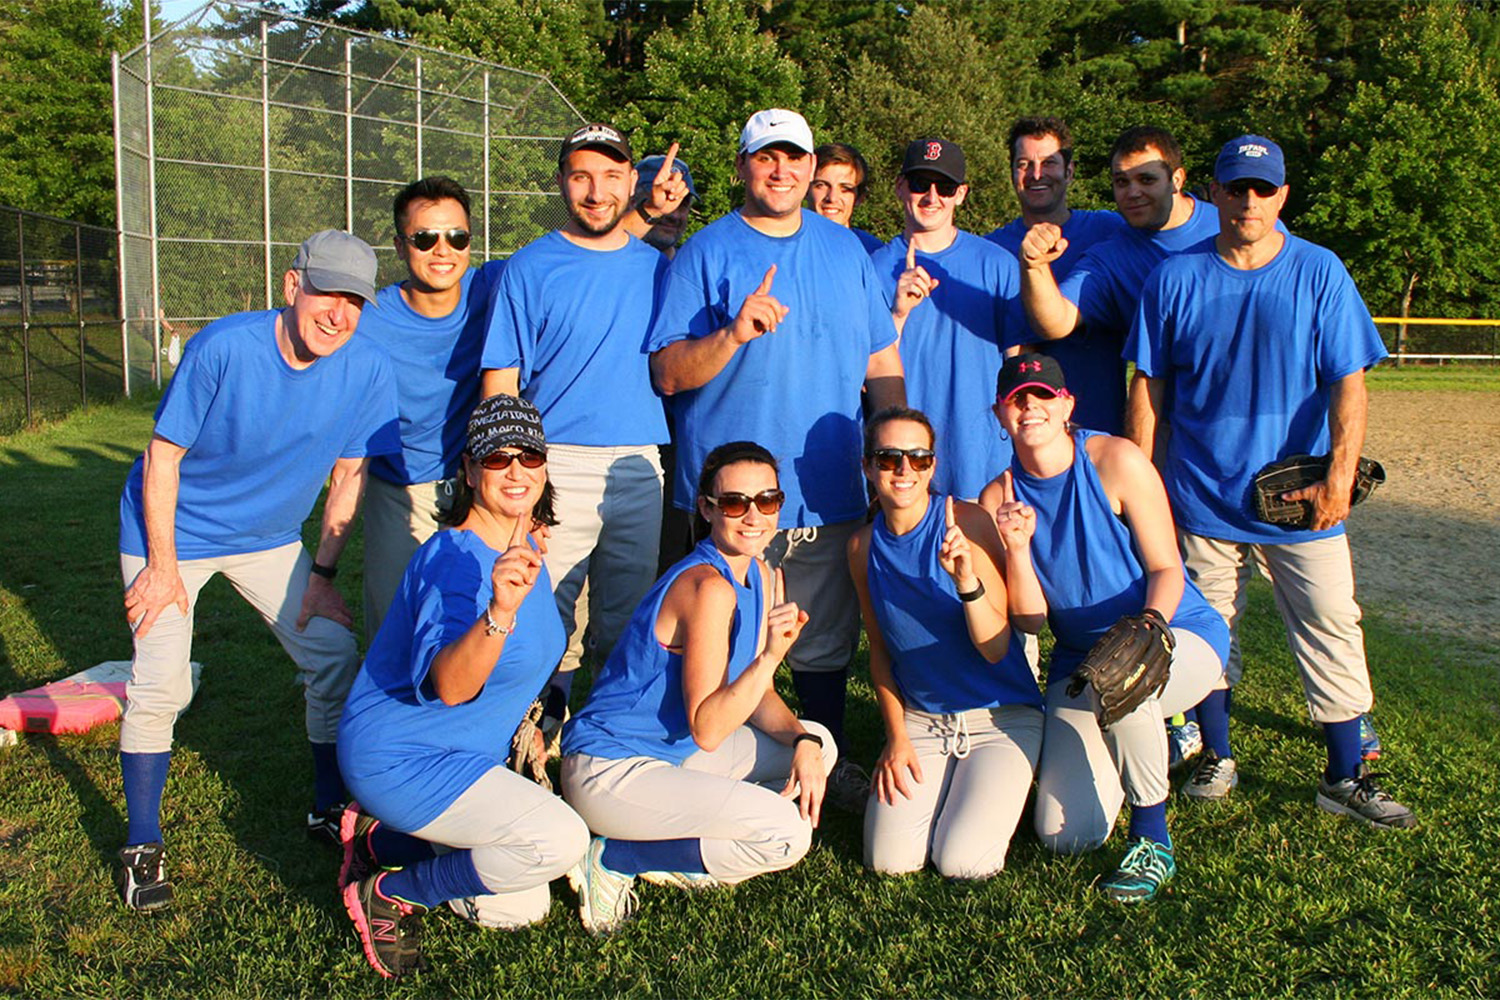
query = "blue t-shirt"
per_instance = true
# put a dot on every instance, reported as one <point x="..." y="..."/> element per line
<point x="1105" y="284"/>
<point x="261" y="436"/>
<point x="871" y="242"/>
<point x="922" y="621"/>
<point x="1248" y="358"/>
<point x="574" y="322"/>
<point x="1086" y="560"/>
<point x="436" y="362"/>
<point x="1090" y="360"/>
<point x="795" y="391"/>
<point x="405" y="754"/>
<point x="636" y="707"/>
<point x="952" y="348"/>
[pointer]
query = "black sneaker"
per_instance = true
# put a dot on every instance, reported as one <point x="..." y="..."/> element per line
<point x="142" y="877"/>
<point x="1362" y="799"/>
<point x="389" y="929"/>
<point x="324" y="826"/>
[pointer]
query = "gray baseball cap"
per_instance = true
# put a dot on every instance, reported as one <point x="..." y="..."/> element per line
<point x="335" y="261"/>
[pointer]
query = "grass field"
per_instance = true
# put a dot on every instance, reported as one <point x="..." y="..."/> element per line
<point x="1273" y="897"/>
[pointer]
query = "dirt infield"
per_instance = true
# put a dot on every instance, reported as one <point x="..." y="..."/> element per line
<point x="1427" y="544"/>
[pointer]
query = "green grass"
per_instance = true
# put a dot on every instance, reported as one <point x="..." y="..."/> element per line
<point x="1443" y="377"/>
<point x="1273" y="897"/>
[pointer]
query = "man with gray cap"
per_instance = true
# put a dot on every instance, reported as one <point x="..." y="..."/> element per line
<point x="262" y="407"/>
<point x="772" y="320"/>
<point x="664" y="196"/>
<point x="1252" y="346"/>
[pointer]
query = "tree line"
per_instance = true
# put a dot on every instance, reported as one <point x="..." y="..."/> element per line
<point x="1388" y="109"/>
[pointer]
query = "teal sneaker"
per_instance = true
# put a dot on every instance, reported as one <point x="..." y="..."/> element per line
<point x="606" y="898"/>
<point x="1146" y="868"/>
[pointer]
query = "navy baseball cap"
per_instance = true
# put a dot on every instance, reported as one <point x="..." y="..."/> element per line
<point x="1030" y="371"/>
<point x="939" y="156"/>
<point x="505" y="421"/>
<point x="648" y="167"/>
<point x="1250" y="157"/>
<point x="336" y="261"/>
<point x="596" y="135"/>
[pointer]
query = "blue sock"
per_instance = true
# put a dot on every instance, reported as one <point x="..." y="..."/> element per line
<point x="328" y="783"/>
<point x="145" y="777"/>
<point x="1343" y="749"/>
<point x="1213" y="720"/>
<point x="822" y="697"/>
<point x="435" y="881"/>
<point x="1150" y="822"/>
<point x="394" y="849"/>
<point x="631" y="857"/>
<point x="1191" y="715"/>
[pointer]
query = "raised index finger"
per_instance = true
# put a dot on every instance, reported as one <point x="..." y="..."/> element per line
<point x="1007" y="488"/>
<point x="778" y="592"/>
<point x="948" y="515"/>
<point x="666" y="165"/>
<point x="911" y="255"/>
<point x="518" y="533"/>
<point x="765" y="283"/>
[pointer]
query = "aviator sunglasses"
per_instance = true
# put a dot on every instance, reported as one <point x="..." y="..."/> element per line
<point x="920" y="185"/>
<point x="499" y="461"/>
<point x="426" y="239"/>
<point x="1262" y="189"/>
<point x="738" y="505"/>
<point x="889" y="459"/>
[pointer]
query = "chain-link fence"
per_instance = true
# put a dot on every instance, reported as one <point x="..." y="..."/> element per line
<point x="241" y="130"/>
<point x="59" y="317"/>
<point x="1425" y="339"/>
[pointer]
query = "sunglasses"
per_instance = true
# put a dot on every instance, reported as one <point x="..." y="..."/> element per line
<point x="499" y="461"/>
<point x="426" y="239"/>
<point x="889" y="459"/>
<point x="738" y="505"/>
<point x="920" y="185"/>
<point x="1262" y="189"/>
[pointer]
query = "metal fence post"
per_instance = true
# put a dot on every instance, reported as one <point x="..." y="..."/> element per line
<point x="83" y="392"/>
<point x="155" y="313"/>
<point x="25" y="314"/>
<point x="419" y="116"/>
<point x="114" y="74"/>
<point x="349" y="134"/>
<point x="265" y="152"/>
<point x="486" y="164"/>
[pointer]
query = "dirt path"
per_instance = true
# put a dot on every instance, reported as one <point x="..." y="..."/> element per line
<point x="1427" y="545"/>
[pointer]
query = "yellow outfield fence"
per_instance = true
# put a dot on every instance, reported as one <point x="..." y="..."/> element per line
<point x="1429" y="339"/>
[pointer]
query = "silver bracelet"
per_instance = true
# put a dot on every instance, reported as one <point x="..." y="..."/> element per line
<point x="492" y="627"/>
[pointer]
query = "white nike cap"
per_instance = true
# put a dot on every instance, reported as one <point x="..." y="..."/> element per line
<point x="776" y="125"/>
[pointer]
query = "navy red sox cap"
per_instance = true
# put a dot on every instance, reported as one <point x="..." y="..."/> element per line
<point x="938" y="156"/>
<point x="1250" y="157"/>
<point x="596" y="135"/>
<point x="1030" y="371"/>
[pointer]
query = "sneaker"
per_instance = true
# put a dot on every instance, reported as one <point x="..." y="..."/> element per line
<point x="1213" y="778"/>
<point x="354" y="837"/>
<point x="1184" y="742"/>
<point x="324" y="826"/>
<point x="690" y="881"/>
<point x="142" y="877"/>
<point x="1145" y="869"/>
<point x="606" y="898"/>
<point x="1366" y="801"/>
<point x="389" y="929"/>
<point x="848" y="786"/>
<point x="1369" y="739"/>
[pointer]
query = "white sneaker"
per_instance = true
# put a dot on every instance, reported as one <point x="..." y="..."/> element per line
<point x="690" y="881"/>
<point x="606" y="899"/>
<point x="1213" y="778"/>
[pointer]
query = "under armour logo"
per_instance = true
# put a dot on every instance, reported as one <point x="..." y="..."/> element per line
<point x="1030" y="366"/>
<point x="934" y="151"/>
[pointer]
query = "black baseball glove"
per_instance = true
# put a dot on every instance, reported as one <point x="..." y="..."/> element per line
<point x="1130" y="663"/>
<point x="528" y="751"/>
<point x="1297" y="472"/>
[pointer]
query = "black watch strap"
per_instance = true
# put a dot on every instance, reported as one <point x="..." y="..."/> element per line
<point x="326" y="572"/>
<point x="809" y="737"/>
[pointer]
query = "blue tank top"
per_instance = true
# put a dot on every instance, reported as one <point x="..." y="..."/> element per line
<point x="936" y="666"/>
<point x="636" y="708"/>
<point x="1086" y="560"/>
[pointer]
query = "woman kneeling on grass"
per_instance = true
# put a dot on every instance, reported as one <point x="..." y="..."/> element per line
<point x="666" y="759"/>
<point x="962" y="711"/>
<point x="1089" y="539"/>
<point x="471" y="638"/>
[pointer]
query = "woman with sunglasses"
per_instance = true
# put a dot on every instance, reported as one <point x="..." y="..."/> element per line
<point x="1089" y="539"/>
<point x="962" y="711"/>
<point x="670" y="759"/>
<point x="469" y="641"/>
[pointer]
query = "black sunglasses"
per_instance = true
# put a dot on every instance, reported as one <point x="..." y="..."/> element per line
<point x="499" y="461"/>
<point x="889" y="459"/>
<point x="426" y="239"/>
<point x="1262" y="189"/>
<point x="920" y="185"/>
<point x="738" y="505"/>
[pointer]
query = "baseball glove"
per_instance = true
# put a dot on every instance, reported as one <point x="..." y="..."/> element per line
<point x="1297" y="472"/>
<point x="528" y="751"/>
<point x="1130" y="663"/>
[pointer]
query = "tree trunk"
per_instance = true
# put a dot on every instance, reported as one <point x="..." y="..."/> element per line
<point x="1411" y="283"/>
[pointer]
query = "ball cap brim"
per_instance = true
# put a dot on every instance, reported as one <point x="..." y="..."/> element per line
<point x="1030" y="371"/>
